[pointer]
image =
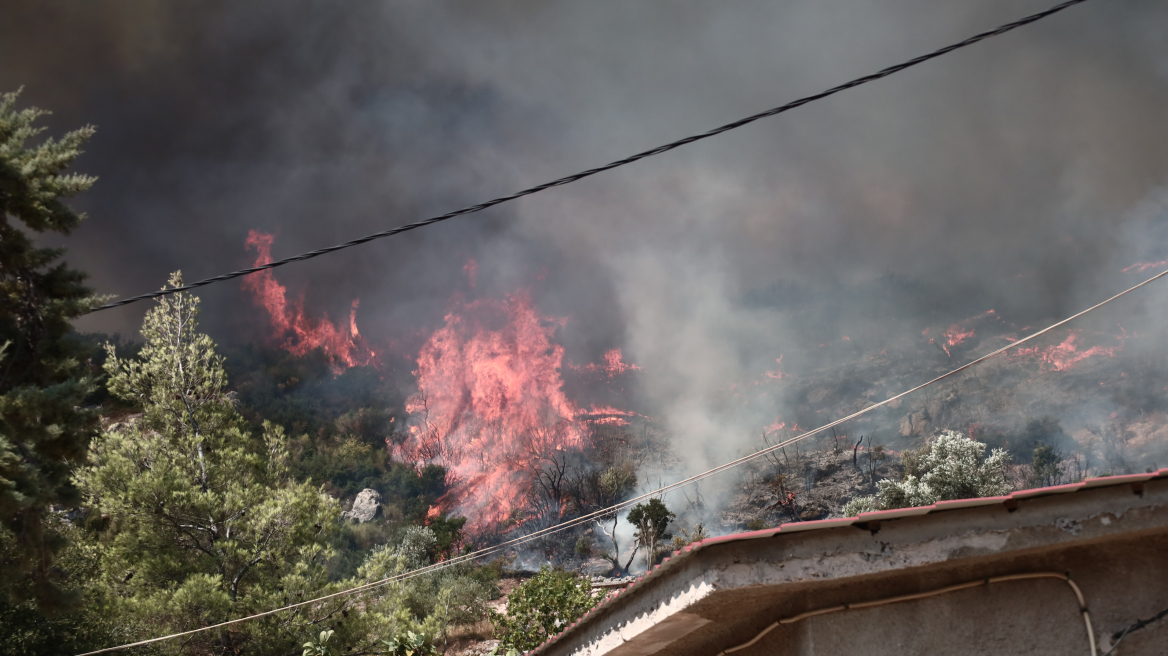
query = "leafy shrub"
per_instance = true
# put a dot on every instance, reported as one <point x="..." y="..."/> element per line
<point x="429" y="605"/>
<point x="689" y="537"/>
<point x="409" y="644"/>
<point x="448" y="531"/>
<point x="1046" y="466"/>
<point x="319" y="646"/>
<point x="951" y="466"/>
<point x="542" y="607"/>
<point x="756" y="525"/>
<point x="616" y="482"/>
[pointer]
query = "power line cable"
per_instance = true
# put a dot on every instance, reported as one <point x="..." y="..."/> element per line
<point x="607" y="512"/>
<point x="600" y="169"/>
<point x="1139" y="624"/>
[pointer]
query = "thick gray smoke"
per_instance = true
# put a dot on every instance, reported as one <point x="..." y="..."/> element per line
<point x="1021" y="175"/>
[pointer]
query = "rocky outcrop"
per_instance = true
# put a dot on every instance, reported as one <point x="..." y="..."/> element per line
<point x="366" y="506"/>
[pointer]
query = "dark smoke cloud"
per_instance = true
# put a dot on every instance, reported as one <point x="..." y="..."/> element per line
<point x="1021" y="174"/>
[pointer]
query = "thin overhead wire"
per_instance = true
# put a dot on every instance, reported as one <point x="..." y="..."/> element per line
<point x="609" y="511"/>
<point x="600" y="169"/>
<point x="1118" y="636"/>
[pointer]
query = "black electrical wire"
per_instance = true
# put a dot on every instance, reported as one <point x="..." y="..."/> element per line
<point x="590" y="172"/>
<point x="1118" y="636"/>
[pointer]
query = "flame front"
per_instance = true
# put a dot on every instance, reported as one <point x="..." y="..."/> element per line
<point x="614" y="365"/>
<point x="490" y="407"/>
<point x="955" y="335"/>
<point x="300" y="335"/>
<point x="1140" y="267"/>
<point x="1065" y="355"/>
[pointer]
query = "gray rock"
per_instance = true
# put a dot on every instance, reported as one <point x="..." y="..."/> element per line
<point x="595" y="566"/>
<point x="366" y="507"/>
<point x="482" y="648"/>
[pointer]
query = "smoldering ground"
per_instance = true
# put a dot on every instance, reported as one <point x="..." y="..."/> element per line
<point x="1021" y="175"/>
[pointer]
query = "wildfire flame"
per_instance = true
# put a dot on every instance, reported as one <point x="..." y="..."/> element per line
<point x="471" y="269"/>
<point x="300" y="334"/>
<point x="777" y="374"/>
<point x="602" y="414"/>
<point x="1144" y="266"/>
<point x="1065" y="355"/>
<point x="958" y="332"/>
<point x="490" y="407"/>
<point x="613" y="365"/>
<point x="955" y="335"/>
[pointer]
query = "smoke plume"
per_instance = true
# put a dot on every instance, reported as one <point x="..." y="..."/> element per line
<point x="1027" y="175"/>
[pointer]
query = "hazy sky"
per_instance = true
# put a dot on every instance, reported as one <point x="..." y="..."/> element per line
<point x="1021" y="174"/>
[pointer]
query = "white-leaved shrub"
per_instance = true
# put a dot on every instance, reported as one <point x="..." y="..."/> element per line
<point x="951" y="466"/>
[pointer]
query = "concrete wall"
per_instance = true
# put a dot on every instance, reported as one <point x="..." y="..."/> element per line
<point x="1112" y="541"/>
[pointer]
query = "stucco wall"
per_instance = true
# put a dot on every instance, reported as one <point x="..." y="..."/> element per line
<point x="1112" y="541"/>
<point x="1122" y="581"/>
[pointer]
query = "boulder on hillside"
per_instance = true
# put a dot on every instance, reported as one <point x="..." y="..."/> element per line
<point x="366" y="506"/>
<point x="596" y="567"/>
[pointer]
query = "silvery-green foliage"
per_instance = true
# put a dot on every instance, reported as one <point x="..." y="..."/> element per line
<point x="951" y="466"/>
<point x="417" y="544"/>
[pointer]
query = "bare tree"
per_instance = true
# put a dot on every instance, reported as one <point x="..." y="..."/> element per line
<point x="788" y="499"/>
<point x="614" y="556"/>
<point x="875" y="454"/>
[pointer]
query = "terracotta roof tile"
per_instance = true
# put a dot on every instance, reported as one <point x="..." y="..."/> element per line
<point x="880" y="515"/>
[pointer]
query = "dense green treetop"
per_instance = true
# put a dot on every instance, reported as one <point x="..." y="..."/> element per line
<point x="205" y="522"/>
<point x="652" y="520"/>
<point x="542" y="607"/>
<point x="43" y="430"/>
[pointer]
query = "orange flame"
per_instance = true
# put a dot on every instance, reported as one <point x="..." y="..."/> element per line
<point x="1144" y="266"/>
<point x="777" y="374"/>
<point x="955" y="335"/>
<point x="603" y="414"/>
<point x="345" y="348"/>
<point x="1061" y="357"/>
<point x="490" y="407"/>
<point x="471" y="269"/>
<point x="959" y="332"/>
<point x="614" y="365"/>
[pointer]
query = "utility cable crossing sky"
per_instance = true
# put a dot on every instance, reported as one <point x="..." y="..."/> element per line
<point x="977" y="38"/>
<point x="607" y="513"/>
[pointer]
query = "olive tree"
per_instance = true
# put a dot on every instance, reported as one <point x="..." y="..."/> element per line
<point x="651" y="519"/>
<point x="951" y="466"/>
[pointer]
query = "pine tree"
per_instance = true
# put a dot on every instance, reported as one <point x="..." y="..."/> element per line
<point x="43" y="434"/>
<point x="206" y="523"/>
